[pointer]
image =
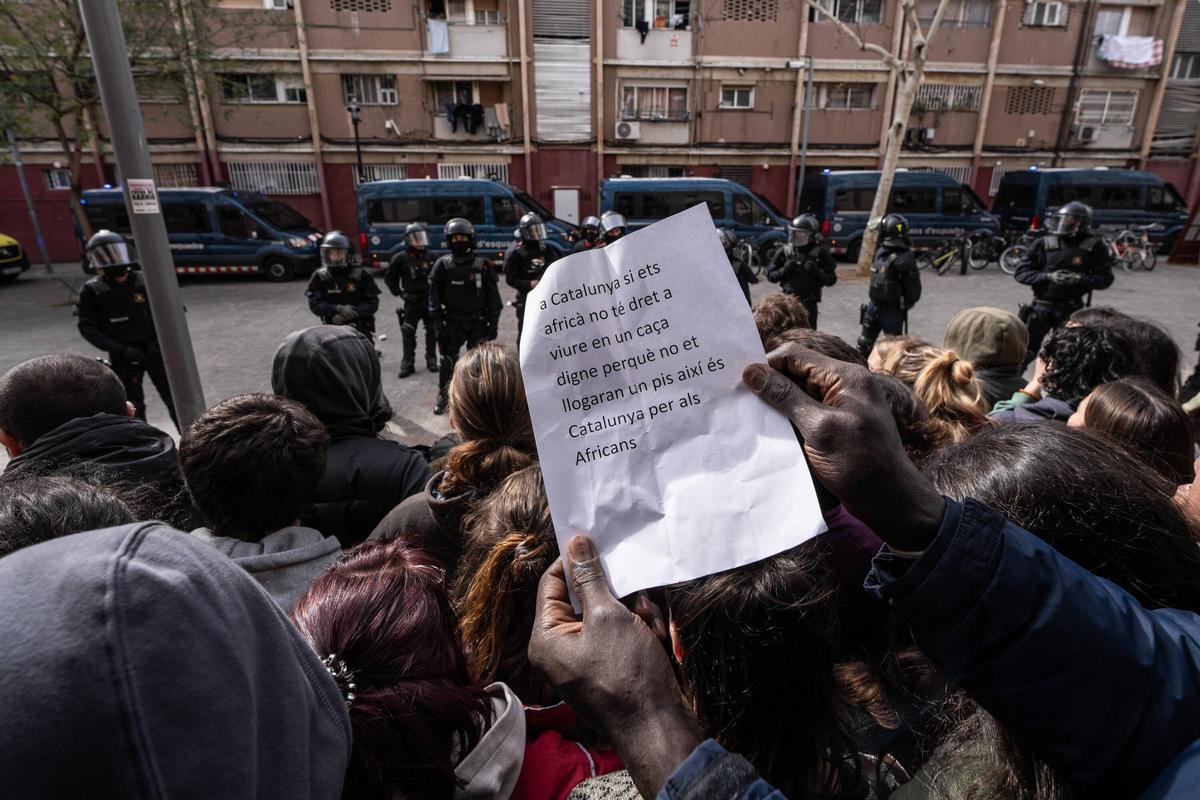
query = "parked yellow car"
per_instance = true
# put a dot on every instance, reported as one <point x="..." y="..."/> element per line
<point x="13" y="260"/>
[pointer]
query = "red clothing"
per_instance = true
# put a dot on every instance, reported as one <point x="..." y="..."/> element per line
<point x="554" y="762"/>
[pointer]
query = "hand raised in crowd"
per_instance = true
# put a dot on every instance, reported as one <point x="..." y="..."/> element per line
<point x="851" y="441"/>
<point x="611" y="668"/>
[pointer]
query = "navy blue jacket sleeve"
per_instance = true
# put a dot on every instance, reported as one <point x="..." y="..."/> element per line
<point x="713" y="772"/>
<point x="1070" y="664"/>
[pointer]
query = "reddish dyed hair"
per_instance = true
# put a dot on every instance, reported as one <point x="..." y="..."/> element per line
<point x="383" y="610"/>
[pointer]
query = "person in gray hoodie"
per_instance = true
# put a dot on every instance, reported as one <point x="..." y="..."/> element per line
<point x="252" y="464"/>
<point x="141" y="663"/>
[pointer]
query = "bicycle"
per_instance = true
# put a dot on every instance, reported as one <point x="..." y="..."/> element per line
<point x="945" y="255"/>
<point x="1010" y="259"/>
<point x="984" y="247"/>
<point x="745" y="251"/>
<point x="1136" y="248"/>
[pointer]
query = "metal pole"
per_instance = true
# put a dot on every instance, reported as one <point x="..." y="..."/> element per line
<point x="808" y="91"/>
<point x="362" y="176"/>
<point x="37" y="228"/>
<point x="102" y="22"/>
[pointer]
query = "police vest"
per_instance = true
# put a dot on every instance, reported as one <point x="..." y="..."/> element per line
<point x="884" y="286"/>
<point x="415" y="277"/>
<point x="124" y="309"/>
<point x="462" y="286"/>
<point x="1061" y="254"/>
<point x="342" y="290"/>
<point x="805" y="280"/>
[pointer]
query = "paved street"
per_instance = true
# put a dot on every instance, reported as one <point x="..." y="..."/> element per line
<point x="237" y="322"/>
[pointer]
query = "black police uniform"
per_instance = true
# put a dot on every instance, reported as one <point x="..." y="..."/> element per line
<point x="116" y="318"/>
<point x="741" y="270"/>
<point x="802" y="272"/>
<point x="524" y="264"/>
<point x="328" y="289"/>
<point x="895" y="287"/>
<point x="464" y="302"/>
<point x="1085" y="254"/>
<point x="587" y="244"/>
<point x="408" y="275"/>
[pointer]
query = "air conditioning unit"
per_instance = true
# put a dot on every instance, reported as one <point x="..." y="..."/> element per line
<point x="1087" y="133"/>
<point x="630" y="131"/>
<point x="919" y="137"/>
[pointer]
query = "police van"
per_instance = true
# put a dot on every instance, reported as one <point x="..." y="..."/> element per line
<point x="220" y="231"/>
<point x="645" y="200"/>
<point x="1120" y="199"/>
<point x="385" y="208"/>
<point x="936" y="206"/>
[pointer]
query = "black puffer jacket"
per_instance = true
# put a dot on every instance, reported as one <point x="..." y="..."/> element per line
<point x="334" y="372"/>
<point x="126" y="451"/>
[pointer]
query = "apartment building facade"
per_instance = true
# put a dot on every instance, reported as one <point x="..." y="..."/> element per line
<point x="555" y="95"/>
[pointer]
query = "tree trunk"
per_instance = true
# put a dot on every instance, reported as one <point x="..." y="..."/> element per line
<point x="906" y="93"/>
<point x="75" y="162"/>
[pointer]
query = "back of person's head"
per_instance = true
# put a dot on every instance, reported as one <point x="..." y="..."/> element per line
<point x="903" y="356"/>
<point x="1095" y="503"/>
<point x="252" y="464"/>
<point x="489" y="411"/>
<point x="920" y="433"/>
<point x="334" y="372"/>
<point x="144" y="662"/>
<point x="948" y="388"/>
<point x="38" y="395"/>
<point x="510" y="543"/>
<point x="1155" y="348"/>
<point x="1080" y="358"/>
<point x="1147" y="421"/>
<point x="382" y="618"/>
<point x="824" y="343"/>
<point x="778" y="312"/>
<point x="756" y="651"/>
<point x="987" y="337"/>
<point x="38" y="508"/>
<point x="1096" y="315"/>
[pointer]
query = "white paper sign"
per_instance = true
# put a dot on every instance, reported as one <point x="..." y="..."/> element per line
<point x="632" y="357"/>
<point x="143" y="198"/>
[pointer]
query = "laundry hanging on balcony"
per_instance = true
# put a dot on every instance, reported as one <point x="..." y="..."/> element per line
<point x="439" y="36"/>
<point x="1131" y="52"/>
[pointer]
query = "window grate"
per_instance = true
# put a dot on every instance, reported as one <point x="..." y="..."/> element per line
<point x="1105" y="107"/>
<point x="960" y="174"/>
<point x="273" y="177"/>
<point x="379" y="6"/>
<point x="57" y="179"/>
<point x="652" y="171"/>
<point x="175" y="176"/>
<point x="383" y="172"/>
<point x="947" y="97"/>
<point x="752" y="10"/>
<point x="742" y="174"/>
<point x="998" y="174"/>
<point x="498" y="172"/>
<point x="1029" y="100"/>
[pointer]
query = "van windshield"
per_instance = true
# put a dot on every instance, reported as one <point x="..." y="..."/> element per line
<point x="767" y="204"/>
<point x="279" y="216"/>
<point x="534" y="206"/>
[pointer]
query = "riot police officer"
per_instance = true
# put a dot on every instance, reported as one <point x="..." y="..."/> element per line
<point x="408" y="274"/>
<point x="803" y="266"/>
<point x="741" y="270"/>
<point x="114" y="315"/>
<point x="342" y="292"/>
<point x="464" y="301"/>
<point x="1063" y="267"/>
<point x="895" y="284"/>
<point x="527" y="261"/>
<point x="612" y="226"/>
<point x="589" y="235"/>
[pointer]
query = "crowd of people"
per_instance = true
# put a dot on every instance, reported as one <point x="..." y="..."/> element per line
<point x="291" y="603"/>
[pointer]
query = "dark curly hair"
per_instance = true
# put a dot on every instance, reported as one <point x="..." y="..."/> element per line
<point x="1081" y="358"/>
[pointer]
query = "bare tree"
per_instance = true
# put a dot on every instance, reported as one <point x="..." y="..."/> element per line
<point x="46" y="70"/>
<point x="909" y="71"/>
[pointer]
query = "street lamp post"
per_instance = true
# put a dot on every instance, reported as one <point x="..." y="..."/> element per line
<point x="355" y="118"/>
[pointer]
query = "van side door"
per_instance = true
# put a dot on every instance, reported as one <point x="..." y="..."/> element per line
<point x="443" y="208"/>
<point x="189" y="229"/>
<point x="238" y="239"/>
<point x="919" y="205"/>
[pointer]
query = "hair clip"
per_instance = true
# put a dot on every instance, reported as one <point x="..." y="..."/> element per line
<point x="343" y="675"/>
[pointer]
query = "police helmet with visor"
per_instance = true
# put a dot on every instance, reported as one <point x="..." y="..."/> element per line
<point x="590" y="228"/>
<point x="1072" y="219"/>
<point x="893" y="229"/>
<point x="613" y="225"/>
<point x="336" y="251"/>
<point x="416" y="235"/>
<point x="110" y="254"/>
<point x="460" y="233"/>
<point x="804" y="230"/>
<point x="532" y="228"/>
<point x="728" y="238"/>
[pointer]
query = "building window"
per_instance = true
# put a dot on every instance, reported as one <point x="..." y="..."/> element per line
<point x="656" y="13"/>
<point x="370" y="90"/>
<point x="847" y="96"/>
<point x="654" y="103"/>
<point x="652" y="171"/>
<point x="853" y="12"/>
<point x="448" y="94"/>
<point x="751" y="10"/>
<point x="1105" y="107"/>
<point x="157" y="88"/>
<point x="1186" y="67"/>
<point x="1112" y="21"/>
<point x="1029" y="100"/>
<point x="57" y="179"/>
<point x="958" y="14"/>
<point x="947" y="97"/>
<point x="737" y="97"/>
<point x="255" y="88"/>
<point x="378" y="6"/>
<point x="175" y="176"/>
<point x="273" y="177"/>
<point x="1046" y="14"/>
<point x="277" y="5"/>
<point x="383" y="172"/>
<point x="493" y="172"/>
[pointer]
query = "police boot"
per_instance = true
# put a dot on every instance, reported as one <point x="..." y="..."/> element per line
<point x="406" y="368"/>
<point x="439" y="407"/>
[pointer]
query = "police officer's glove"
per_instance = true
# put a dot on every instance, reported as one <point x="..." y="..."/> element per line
<point x="347" y="312"/>
<point x="1061" y="277"/>
<point x="132" y="355"/>
<point x="338" y="319"/>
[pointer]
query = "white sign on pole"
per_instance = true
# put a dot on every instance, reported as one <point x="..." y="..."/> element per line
<point x="143" y="198"/>
<point x="632" y="358"/>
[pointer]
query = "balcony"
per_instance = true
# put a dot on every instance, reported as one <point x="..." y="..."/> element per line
<point x="662" y="44"/>
<point x="481" y="40"/>
<point x="648" y="132"/>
